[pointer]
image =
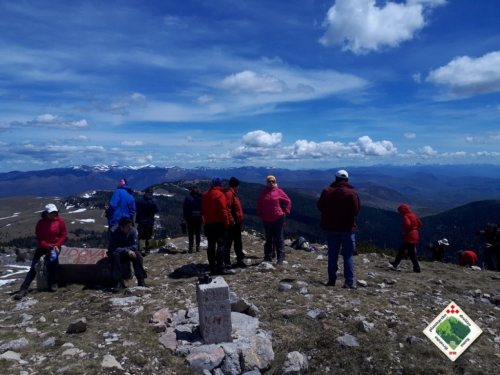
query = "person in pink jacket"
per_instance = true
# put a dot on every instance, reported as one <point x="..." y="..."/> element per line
<point x="50" y="233"/>
<point x="273" y="206"/>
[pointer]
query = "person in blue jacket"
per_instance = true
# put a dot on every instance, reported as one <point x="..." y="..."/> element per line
<point x="122" y="204"/>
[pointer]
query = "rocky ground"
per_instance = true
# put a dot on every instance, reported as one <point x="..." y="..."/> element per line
<point x="290" y="317"/>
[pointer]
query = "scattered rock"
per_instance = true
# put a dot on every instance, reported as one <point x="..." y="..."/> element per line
<point x="295" y="364"/>
<point x="389" y="281"/>
<point x="414" y="339"/>
<point x="364" y="326"/>
<point x="362" y="283"/>
<point x="109" y="361"/>
<point x="14" y="344"/>
<point x="238" y="304"/>
<point x="264" y="267"/>
<point x="51" y="341"/>
<point x="124" y="301"/>
<point x="77" y="326"/>
<point x="259" y="355"/>
<point x="206" y="357"/>
<point x="347" y="340"/>
<point x="316" y="314"/>
<point x="287" y="313"/>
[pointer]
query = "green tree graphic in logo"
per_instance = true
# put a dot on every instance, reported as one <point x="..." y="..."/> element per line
<point x="452" y="331"/>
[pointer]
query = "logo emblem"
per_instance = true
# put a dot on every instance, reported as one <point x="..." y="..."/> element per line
<point x="452" y="331"/>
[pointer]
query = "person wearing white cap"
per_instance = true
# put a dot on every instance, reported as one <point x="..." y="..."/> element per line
<point x="50" y="233"/>
<point x="339" y="205"/>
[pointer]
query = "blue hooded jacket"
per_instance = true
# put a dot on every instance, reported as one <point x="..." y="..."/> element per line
<point x="122" y="204"/>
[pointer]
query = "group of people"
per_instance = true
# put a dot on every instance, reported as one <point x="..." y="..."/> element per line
<point x="220" y="211"/>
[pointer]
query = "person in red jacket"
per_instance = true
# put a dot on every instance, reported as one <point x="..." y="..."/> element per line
<point x="411" y="224"/>
<point x="50" y="233"/>
<point x="467" y="258"/>
<point x="339" y="205"/>
<point x="215" y="213"/>
<point x="273" y="206"/>
<point x="233" y="233"/>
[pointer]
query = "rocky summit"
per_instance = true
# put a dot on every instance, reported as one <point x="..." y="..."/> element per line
<point x="285" y="320"/>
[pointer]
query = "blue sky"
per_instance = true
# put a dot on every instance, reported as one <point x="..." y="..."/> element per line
<point x="291" y="84"/>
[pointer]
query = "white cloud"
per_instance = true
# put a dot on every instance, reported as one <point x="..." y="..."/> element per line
<point x="119" y="106"/>
<point x="132" y="143"/>
<point x="81" y="138"/>
<point x="205" y="99"/>
<point x="361" y="26"/>
<point x="253" y="82"/>
<point x="468" y="76"/>
<point x="410" y="135"/>
<point x="369" y="148"/>
<point x="54" y="122"/>
<point x="417" y="77"/>
<point x="427" y="151"/>
<point x="260" y="138"/>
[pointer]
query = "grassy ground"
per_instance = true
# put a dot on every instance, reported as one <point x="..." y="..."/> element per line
<point x="398" y="311"/>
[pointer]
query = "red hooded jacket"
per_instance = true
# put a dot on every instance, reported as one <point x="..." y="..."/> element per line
<point x="50" y="232"/>
<point x="469" y="257"/>
<point x="411" y="223"/>
<point x="234" y="204"/>
<point x="214" y="207"/>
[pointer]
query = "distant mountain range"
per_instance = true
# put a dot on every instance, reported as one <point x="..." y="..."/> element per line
<point x="430" y="189"/>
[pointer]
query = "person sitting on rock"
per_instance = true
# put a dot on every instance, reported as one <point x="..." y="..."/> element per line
<point x="467" y="258"/>
<point x="124" y="244"/>
<point x="50" y="233"/>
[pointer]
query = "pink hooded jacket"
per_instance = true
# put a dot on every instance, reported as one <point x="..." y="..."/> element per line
<point x="272" y="204"/>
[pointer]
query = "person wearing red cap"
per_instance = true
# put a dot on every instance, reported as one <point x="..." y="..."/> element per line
<point x="411" y="224"/>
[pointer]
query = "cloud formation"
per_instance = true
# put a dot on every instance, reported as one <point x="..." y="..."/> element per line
<point x="253" y="82"/>
<point x="120" y="106"/>
<point x="410" y="135"/>
<point x="361" y="26"/>
<point x="54" y="122"/>
<point x="468" y="76"/>
<point x="260" y="138"/>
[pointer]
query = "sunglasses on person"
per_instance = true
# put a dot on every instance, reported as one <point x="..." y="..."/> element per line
<point x="271" y="181"/>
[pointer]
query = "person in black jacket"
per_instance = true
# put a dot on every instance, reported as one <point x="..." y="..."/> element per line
<point x="437" y="249"/>
<point x="492" y="235"/>
<point x="147" y="206"/>
<point x="192" y="216"/>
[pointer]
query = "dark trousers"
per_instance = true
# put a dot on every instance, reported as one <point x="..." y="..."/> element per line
<point x="116" y="258"/>
<point x="489" y="253"/>
<point x="410" y="249"/>
<point x="216" y="239"/>
<point x="194" y="230"/>
<point x="234" y="235"/>
<point x="274" y="235"/>
<point x="52" y="269"/>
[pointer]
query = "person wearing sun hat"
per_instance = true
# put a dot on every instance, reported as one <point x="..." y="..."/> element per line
<point x="437" y="249"/>
<point x="273" y="206"/>
<point x="50" y="233"/>
<point x="339" y="204"/>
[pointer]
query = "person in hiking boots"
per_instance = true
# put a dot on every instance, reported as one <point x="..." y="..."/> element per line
<point x="339" y="205"/>
<point x="273" y="206"/>
<point x="50" y="234"/>
<point x="192" y="216"/>
<point x="492" y="248"/>
<point x="124" y="244"/>
<point x="147" y="206"/>
<point x="411" y="224"/>
<point x="235" y="221"/>
<point x="122" y="204"/>
<point x="467" y="258"/>
<point x="215" y="212"/>
<point x="437" y="249"/>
